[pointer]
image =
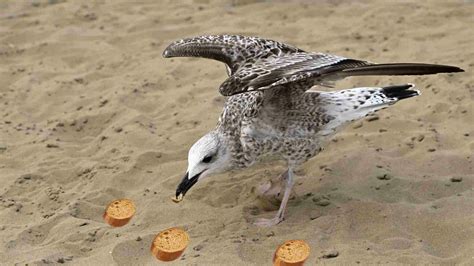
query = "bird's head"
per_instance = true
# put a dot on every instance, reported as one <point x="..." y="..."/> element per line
<point x="206" y="157"/>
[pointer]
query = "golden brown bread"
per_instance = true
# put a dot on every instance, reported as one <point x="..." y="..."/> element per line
<point x="177" y="199"/>
<point x="119" y="212"/>
<point x="169" y="244"/>
<point x="292" y="252"/>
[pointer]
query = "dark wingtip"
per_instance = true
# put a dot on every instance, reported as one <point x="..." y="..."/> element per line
<point x="172" y="50"/>
<point x="167" y="52"/>
<point x="458" y="69"/>
<point x="450" y="69"/>
<point x="401" y="69"/>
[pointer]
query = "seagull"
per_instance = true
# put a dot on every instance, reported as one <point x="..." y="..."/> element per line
<point x="270" y="111"/>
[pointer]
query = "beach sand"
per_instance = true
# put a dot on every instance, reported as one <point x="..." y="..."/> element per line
<point x="91" y="112"/>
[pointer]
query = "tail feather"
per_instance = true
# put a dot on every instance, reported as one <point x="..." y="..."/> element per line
<point x="349" y="105"/>
<point x="400" y="91"/>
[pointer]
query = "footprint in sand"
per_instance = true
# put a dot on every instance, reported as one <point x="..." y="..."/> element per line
<point x="134" y="252"/>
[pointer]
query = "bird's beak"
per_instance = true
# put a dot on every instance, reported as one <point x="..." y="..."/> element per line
<point x="186" y="184"/>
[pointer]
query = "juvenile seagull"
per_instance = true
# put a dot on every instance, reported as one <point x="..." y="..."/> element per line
<point x="269" y="110"/>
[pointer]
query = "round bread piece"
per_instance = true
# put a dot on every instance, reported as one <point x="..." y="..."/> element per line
<point x="169" y="244"/>
<point x="119" y="212"/>
<point x="292" y="252"/>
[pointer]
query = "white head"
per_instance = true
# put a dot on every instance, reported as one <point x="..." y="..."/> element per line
<point x="206" y="157"/>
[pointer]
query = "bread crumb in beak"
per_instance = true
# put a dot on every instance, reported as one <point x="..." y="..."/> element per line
<point x="177" y="199"/>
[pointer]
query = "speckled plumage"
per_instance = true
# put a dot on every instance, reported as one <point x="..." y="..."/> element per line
<point x="291" y="124"/>
<point x="269" y="110"/>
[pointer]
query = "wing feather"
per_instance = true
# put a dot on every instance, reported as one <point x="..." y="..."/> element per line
<point x="258" y="64"/>
<point x="233" y="50"/>
<point x="275" y="71"/>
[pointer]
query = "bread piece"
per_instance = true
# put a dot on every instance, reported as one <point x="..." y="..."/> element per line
<point x="177" y="199"/>
<point x="169" y="244"/>
<point x="292" y="252"/>
<point x="119" y="212"/>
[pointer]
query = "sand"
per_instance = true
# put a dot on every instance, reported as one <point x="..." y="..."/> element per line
<point x="91" y="112"/>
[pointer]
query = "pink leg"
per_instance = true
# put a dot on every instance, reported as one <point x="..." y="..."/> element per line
<point x="281" y="211"/>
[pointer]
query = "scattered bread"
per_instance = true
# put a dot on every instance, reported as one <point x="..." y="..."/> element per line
<point x="119" y="212"/>
<point x="169" y="244"/>
<point x="177" y="199"/>
<point x="292" y="252"/>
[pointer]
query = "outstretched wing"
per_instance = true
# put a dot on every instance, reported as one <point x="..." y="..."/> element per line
<point x="274" y="71"/>
<point x="259" y="64"/>
<point x="304" y="70"/>
<point x="233" y="50"/>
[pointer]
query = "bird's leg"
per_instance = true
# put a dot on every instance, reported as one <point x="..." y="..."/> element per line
<point x="286" y="196"/>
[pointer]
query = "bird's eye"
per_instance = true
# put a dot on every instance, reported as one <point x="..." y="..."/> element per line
<point x="207" y="159"/>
